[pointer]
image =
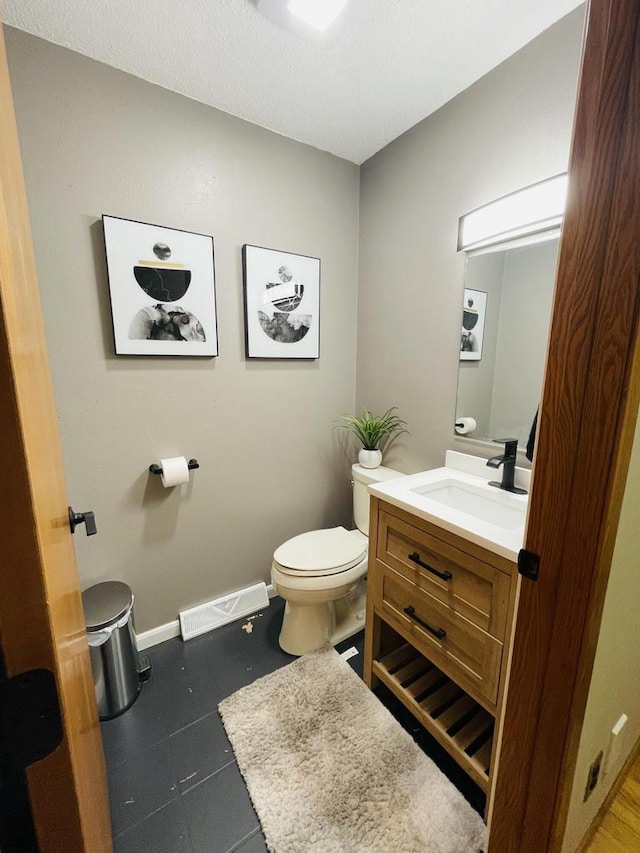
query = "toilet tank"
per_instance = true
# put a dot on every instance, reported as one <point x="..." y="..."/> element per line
<point x="363" y="477"/>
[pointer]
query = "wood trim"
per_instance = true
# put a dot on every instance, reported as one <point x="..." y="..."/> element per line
<point x="41" y="619"/>
<point x="625" y="231"/>
<point x="588" y="412"/>
<point x="372" y="634"/>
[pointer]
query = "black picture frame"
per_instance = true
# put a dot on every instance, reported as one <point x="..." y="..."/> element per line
<point x="281" y="303"/>
<point x="162" y="288"/>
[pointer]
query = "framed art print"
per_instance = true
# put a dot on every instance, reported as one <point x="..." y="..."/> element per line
<point x="473" y="314"/>
<point x="281" y="303"/>
<point x="162" y="287"/>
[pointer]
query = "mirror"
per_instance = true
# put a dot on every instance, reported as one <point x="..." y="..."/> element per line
<point x="506" y="315"/>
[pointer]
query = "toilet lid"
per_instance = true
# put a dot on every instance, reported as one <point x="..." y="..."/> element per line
<point x="321" y="551"/>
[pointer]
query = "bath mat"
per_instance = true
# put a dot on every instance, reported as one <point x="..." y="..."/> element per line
<point x="329" y="770"/>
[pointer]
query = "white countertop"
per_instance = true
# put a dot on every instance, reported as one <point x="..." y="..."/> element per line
<point x="501" y="530"/>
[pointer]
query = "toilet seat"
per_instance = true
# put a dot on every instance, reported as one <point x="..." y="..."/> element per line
<point x="320" y="553"/>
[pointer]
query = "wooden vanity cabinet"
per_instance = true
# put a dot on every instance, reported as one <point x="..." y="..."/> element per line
<point x="439" y="615"/>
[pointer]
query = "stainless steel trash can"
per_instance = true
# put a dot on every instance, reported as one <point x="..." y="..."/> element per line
<point x="108" y="611"/>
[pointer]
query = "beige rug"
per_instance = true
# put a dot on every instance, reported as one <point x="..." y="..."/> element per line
<point x="330" y="770"/>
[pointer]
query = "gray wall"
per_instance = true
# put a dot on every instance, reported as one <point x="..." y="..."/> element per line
<point x="94" y="141"/>
<point x="508" y="130"/>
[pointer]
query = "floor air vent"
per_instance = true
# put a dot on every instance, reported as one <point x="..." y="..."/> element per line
<point x="205" y="617"/>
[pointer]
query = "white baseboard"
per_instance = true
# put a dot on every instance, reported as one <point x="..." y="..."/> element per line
<point x="157" y="635"/>
<point x="172" y="629"/>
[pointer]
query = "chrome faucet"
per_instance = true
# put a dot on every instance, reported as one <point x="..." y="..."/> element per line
<point x="508" y="462"/>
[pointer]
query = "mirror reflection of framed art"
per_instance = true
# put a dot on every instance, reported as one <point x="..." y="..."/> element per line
<point x="473" y="315"/>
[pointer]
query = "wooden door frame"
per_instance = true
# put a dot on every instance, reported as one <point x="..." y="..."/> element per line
<point x="41" y="620"/>
<point x="586" y="426"/>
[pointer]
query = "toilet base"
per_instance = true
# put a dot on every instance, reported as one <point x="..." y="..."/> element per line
<point x="306" y="627"/>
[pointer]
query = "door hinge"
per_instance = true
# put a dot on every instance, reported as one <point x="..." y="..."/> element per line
<point x="528" y="564"/>
<point x="30" y="724"/>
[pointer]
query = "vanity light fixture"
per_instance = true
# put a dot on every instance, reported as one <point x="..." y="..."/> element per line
<point x="531" y="211"/>
<point x="310" y="20"/>
<point x="317" y="13"/>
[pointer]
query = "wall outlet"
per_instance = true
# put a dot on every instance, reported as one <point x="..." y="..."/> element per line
<point x="593" y="775"/>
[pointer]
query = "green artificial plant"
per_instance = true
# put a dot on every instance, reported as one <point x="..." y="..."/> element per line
<point x="374" y="431"/>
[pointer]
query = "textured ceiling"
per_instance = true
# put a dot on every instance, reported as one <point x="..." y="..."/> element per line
<point x="396" y="61"/>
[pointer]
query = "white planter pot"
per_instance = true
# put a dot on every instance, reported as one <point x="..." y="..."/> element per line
<point x="369" y="458"/>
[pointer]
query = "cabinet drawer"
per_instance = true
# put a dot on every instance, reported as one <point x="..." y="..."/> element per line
<point x="468" y="655"/>
<point x="470" y="587"/>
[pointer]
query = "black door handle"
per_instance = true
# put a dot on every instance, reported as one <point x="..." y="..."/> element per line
<point x="86" y="518"/>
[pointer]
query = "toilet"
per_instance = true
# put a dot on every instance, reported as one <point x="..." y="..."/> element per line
<point x="321" y="575"/>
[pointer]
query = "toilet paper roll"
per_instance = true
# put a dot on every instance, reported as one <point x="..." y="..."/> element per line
<point x="465" y="425"/>
<point x="175" y="471"/>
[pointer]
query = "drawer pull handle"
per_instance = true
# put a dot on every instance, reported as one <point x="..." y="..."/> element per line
<point x="415" y="558"/>
<point x="440" y="633"/>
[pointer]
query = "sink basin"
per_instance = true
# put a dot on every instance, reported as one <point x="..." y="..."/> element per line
<point x="494" y="508"/>
<point x="458" y="498"/>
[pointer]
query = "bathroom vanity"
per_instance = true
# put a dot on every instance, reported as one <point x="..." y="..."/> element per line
<point x="441" y="591"/>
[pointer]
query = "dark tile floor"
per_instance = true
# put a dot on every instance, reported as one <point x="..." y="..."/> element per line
<point x="174" y="784"/>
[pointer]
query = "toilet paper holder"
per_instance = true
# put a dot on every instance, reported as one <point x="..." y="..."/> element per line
<point x="464" y="426"/>
<point x="157" y="469"/>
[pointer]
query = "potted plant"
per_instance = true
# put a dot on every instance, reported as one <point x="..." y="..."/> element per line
<point x="374" y="432"/>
